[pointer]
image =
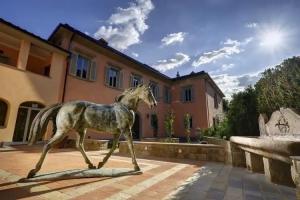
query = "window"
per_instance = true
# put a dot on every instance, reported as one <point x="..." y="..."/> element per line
<point x="216" y="101"/>
<point x="167" y="95"/>
<point x="155" y="90"/>
<point x="154" y="124"/>
<point x="83" y="67"/>
<point x="113" y="77"/>
<point x="135" y="80"/>
<point x="3" y="112"/>
<point x="187" y="94"/>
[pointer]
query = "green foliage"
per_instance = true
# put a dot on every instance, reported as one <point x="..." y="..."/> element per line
<point x="279" y="87"/>
<point x="187" y="126"/>
<point x="243" y="115"/>
<point x="225" y="105"/>
<point x="221" y="130"/>
<point x="169" y="121"/>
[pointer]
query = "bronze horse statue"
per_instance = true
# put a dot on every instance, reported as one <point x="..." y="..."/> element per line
<point x="116" y="118"/>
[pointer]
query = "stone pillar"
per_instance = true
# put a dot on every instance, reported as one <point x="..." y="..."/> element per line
<point x="23" y="54"/>
<point x="237" y="156"/>
<point x="254" y="162"/>
<point x="295" y="172"/>
<point x="278" y="172"/>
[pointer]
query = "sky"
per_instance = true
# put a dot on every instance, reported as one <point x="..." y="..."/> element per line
<point x="233" y="40"/>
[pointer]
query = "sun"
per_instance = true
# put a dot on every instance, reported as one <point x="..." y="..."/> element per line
<point x="272" y="38"/>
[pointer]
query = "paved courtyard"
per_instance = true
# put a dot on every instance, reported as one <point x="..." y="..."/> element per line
<point x="161" y="179"/>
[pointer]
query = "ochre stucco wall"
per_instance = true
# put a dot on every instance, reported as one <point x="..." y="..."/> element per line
<point x="18" y="86"/>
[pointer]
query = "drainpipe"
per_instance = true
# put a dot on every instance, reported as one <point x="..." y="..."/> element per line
<point x="67" y="70"/>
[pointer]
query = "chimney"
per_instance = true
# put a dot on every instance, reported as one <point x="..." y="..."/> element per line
<point x="103" y="42"/>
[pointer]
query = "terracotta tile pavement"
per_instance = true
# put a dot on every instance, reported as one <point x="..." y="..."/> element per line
<point x="15" y="164"/>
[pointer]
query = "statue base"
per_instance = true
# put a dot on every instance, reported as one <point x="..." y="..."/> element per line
<point x="83" y="173"/>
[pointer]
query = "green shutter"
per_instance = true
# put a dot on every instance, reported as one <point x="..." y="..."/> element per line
<point x="131" y="81"/>
<point x="157" y="93"/>
<point x="106" y="74"/>
<point x="182" y="94"/>
<point x="120" y="81"/>
<point x="73" y="64"/>
<point x="192" y="93"/>
<point x="93" y="71"/>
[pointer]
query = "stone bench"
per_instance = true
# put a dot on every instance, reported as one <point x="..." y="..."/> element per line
<point x="202" y="152"/>
<point x="269" y="156"/>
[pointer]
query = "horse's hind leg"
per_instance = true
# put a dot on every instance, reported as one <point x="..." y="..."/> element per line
<point x="128" y="137"/>
<point x="56" y="138"/>
<point x="114" y="146"/>
<point x="81" y="149"/>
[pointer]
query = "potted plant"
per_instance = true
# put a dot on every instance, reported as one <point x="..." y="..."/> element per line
<point x="187" y="126"/>
<point x="169" y="121"/>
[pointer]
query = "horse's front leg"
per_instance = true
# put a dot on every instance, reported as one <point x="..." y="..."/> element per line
<point x="57" y="138"/>
<point x="128" y="137"/>
<point x="80" y="147"/>
<point x="114" y="146"/>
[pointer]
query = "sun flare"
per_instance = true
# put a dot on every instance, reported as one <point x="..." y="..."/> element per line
<point x="272" y="38"/>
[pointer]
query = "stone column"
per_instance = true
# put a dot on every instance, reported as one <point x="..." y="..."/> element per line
<point x="254" y="162"/>
<point x="23" y="54"/>
<point x="278" y="172"/>
<point x="295" y="172"/>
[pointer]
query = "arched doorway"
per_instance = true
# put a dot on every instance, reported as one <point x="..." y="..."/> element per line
<point x="26" y="113"/>
<point x="136" y="128"/>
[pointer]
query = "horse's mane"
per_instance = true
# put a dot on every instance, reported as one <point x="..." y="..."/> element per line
<point x="126" y="92"/>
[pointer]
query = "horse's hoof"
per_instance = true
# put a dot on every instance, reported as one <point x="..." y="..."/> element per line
<point x="137" y="168"/>
<point x="92" y="167"/>
<point x="31" y="174"/>
<point x="100" y="165"/>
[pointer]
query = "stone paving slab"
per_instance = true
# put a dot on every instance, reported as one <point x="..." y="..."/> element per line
<point x="161" y="179"/>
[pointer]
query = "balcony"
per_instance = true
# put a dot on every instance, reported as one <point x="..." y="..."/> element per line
<point x="24" y="55"/>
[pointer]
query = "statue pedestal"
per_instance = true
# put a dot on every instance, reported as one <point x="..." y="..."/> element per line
<point x="83" y="173"/>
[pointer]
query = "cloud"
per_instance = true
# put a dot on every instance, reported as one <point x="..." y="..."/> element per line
<point x="230" y="47"/>
<point x="171" y="63"/>
<point x="173" y="38"/>
<point x="252" y="25"/>
<point x="225" y="67"/>
<point x="126" y="25"/>
<point x="231" y="84"/>
<point x="135" y="54"/>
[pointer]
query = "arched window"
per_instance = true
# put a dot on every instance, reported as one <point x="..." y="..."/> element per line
<point x="3" y="112"/>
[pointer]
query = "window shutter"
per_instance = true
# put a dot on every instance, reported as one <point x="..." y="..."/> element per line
<point x="106" y="74"/>
<point x="120" y="80"/>
<point x="157" y="92"/>
<point x="131" y="81"/>
<point x="192" y="93"/>
<point x="93" y="71"/>
<point x="73" y="64"/>
<point x="182" y="94"/>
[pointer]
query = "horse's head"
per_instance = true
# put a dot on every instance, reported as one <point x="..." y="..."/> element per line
<point x="145" y="94"/>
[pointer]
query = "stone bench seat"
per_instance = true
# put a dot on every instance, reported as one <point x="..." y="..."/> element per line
<point x="269" y="156"/>
<point x="278" y="149"/>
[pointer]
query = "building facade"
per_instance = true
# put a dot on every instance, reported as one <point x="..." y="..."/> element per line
<point x="96" y="72"/>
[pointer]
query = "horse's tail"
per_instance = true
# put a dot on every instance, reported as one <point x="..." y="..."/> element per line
<point x="40" y="122"/>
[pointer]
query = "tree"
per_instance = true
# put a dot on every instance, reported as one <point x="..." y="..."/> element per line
<point x="279" y="87"/>
<point x="225" y="105"/>
<point x="243" y="115"/>
<point x="187" y="126"/>
<point x="169" y="121"/>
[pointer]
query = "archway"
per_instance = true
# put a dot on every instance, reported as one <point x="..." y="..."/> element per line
<point x="136" y="128"/>
<point x="26" y="113"/>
